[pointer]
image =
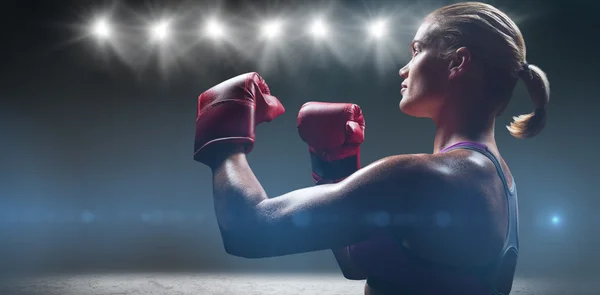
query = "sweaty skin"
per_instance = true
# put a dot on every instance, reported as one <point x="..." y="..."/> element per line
<point x="332" y="216"/>
<point x="461" y="182"/>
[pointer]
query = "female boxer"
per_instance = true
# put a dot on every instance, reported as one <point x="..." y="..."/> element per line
<point x="440" y="223"/>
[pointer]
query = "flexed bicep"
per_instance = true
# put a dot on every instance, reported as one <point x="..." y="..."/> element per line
<point x="328" y="216"/>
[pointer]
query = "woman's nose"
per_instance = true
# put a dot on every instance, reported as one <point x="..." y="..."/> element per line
<point x="404" y="72"/>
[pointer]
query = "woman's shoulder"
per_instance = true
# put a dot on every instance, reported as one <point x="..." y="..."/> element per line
<point x="430" y="174"/>
<point x="446" y="165"/>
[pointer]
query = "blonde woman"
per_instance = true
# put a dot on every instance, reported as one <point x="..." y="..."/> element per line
<point x="434" y="223"/>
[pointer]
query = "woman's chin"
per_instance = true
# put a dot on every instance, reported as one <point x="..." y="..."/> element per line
<point x="406" y="107"/>
<point x="410" y="108"/>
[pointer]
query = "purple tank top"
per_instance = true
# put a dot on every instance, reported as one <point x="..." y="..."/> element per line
<point x="391" y="265"/>
<point x="465" y="144"/>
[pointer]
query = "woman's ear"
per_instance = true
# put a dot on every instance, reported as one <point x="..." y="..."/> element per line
<point x="460" y="60"/>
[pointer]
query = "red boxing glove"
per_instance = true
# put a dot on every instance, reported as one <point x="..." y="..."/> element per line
<point x="229" y="112"/>
<point x="333" y="132"/>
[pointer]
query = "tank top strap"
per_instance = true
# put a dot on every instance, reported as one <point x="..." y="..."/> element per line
<point x="483" y="149"/>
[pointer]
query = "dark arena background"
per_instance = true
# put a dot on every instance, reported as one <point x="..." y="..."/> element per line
<point x="98" y="190"/>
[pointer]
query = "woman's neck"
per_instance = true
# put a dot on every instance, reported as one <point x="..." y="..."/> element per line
<point x="463" y="124"/>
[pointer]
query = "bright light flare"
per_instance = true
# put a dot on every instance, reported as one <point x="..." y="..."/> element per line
<point x="319" y="28"/>
<point x="377" y="29"/>
<point x="214" y="29"/>
<point x="101" y="28"/>
<point x="160" y="30"/>
<point x="555" y="220"/>
<point x="272" y="29"/>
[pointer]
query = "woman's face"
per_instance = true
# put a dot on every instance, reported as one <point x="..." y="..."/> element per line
<point x="425" y="77"/>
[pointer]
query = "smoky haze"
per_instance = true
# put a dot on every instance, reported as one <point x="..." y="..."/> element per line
<point x="96" y="139"/>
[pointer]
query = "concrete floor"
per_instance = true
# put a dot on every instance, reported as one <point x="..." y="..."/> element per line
<point x="225" y="284"/>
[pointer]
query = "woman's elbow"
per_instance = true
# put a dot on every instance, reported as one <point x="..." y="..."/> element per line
<point x="354" y="276"/>
<point x="241" y="243"/>
<point x="242" y="251"/>
<point x="257" y="237"/>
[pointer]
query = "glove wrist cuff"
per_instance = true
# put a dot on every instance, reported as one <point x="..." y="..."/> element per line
<point x="325" y="171"/>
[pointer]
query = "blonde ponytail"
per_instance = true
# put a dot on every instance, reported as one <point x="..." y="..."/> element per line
<point x="529" y="125"/>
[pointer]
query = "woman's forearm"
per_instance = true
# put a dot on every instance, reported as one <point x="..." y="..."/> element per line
<point x="236" y="191"/>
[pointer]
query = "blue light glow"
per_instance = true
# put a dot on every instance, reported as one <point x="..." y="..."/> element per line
<point x="87" y="217"/>
<point x="555" y="220"/>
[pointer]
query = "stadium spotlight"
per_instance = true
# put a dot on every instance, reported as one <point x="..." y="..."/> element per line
<point x="377" y="29"/>
<point x="101" y="29"/>
<point x="272" y="29"/>
<point x="214" y="29"/>
<point x="160" y="30"/>
<point x="318" y="28"/>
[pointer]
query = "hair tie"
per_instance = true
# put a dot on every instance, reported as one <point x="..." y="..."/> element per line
<point x="525" y="67"/>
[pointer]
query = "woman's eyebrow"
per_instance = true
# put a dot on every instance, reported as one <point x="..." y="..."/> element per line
<point x="412" y="44"/>
<point x="415" y="42"/>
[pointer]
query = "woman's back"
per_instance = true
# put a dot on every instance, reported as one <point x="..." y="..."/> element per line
<point x="456" y="239"/>
<point x="472" y="225"/>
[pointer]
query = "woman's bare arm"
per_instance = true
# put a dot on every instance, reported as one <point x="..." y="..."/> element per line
<point x="327" y="216"/>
